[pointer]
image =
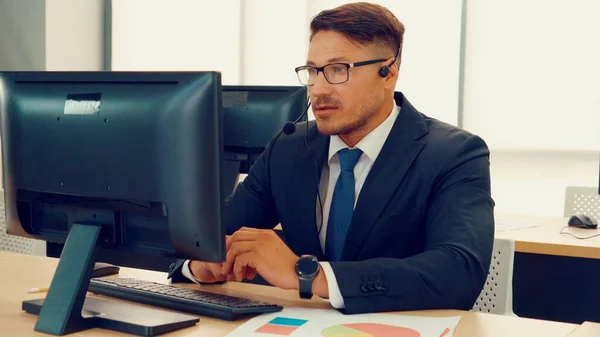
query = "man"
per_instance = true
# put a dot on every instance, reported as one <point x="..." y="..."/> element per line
<point x="407" y="217"/>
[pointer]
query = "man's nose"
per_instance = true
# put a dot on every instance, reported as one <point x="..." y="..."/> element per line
<point x="320" y="87"/>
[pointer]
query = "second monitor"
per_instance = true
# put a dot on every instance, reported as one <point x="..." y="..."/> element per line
<point x="252" y="115"/>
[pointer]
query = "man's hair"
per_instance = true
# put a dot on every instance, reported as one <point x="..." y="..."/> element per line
<point x="362" y="22"/>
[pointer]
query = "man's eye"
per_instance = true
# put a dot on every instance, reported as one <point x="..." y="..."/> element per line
<point x="339" y="69"/>
<point x="312" y="71"/>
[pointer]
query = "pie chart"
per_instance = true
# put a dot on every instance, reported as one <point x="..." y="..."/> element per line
<point x="368" y="330"/>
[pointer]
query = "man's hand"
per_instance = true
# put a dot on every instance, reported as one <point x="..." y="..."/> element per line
<point x="207" y="272"/>
<point x="251" y="251"/>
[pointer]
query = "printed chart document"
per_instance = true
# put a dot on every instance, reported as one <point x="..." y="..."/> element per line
<point x="330" y="323"/>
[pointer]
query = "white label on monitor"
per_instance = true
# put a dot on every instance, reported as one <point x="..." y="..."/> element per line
<point x="82" y="104"/>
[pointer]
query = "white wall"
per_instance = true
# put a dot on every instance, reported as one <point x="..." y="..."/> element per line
<point x="534" y="182"/>
<point x="74" y="35"/>
<point x="532" y="73"/>
<point x="532" y="91"/>
<point x="22" y="35"/>
<point x="273" y="45"/>
<point x="175" y="35"/>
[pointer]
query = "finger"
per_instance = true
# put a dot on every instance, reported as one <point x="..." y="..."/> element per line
<point x="250" y="229"/>
<point x="215" y="269"/>
<point x="239" y="272"/>
<point x="236" y="249"/>
<point x="251" y="273"/>
<point x="199" y="271"/>
<point x="242" y="263"/>
<point x="241" y="236"/>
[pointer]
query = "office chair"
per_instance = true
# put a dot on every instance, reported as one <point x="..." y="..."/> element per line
<point x="580" y="200"/>
<point x="496" y="296"/>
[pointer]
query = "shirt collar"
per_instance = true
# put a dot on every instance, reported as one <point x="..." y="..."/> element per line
<point x="372" y="143"/>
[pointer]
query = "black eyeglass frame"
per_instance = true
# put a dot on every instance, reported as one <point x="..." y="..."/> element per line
<point x="347" y="65"/>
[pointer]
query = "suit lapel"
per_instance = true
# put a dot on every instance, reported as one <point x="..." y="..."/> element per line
<point x="398" y="153"/>
<point x="305" y="231"/>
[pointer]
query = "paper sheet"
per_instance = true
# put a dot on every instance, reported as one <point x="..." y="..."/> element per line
<point x="513" y="225"/>
<point x="331" y="323"/>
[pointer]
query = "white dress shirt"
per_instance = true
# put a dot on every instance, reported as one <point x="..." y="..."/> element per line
<point x="370" y="146"/>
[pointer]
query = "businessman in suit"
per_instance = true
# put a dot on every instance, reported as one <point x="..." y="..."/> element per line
<point x="382" y="208"/>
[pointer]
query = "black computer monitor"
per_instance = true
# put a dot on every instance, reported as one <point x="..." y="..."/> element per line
<point x="124" y="161"/>
<point x="252" y="115"/>
<point x="128" y="168"/>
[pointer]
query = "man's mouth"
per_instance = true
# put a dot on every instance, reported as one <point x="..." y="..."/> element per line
<point x="326" y="107"/>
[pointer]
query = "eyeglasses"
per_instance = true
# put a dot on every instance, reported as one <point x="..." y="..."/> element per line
<point x="335" y="73"/>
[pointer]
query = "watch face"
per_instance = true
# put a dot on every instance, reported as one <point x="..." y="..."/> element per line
<point x="307" y="266"/>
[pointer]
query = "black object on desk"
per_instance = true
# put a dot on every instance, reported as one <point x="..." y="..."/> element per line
<point x="181" y="299"/>
<point x="97" y="159"/>
<point x="104" y="269"/>
<point x="583" y="221"/>
<point x="125" y="317"/>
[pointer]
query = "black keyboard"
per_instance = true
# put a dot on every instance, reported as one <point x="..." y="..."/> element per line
<point x="181" y="299"/>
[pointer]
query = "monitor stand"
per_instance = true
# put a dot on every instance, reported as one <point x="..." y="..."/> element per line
<point x="63" y="311"/>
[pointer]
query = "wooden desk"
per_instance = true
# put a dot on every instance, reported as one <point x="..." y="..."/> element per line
<point x="20" y="272"/>
<point x="554" y="274"/>
<point x="546" y="239"/>
<point x="587" y="329"/>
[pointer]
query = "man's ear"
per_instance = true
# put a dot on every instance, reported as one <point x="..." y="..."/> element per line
<point x="392" y="74"/>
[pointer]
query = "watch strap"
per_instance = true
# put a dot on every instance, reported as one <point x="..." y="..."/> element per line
<point x="306" y="288"/>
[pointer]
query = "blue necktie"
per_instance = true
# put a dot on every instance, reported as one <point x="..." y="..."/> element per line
<point x="342" y="205"/>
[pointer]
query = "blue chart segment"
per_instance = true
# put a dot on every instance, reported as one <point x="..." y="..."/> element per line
<point x="281" y="326"/>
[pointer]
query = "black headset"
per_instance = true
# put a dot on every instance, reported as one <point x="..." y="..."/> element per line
<point x="385" y="70"/>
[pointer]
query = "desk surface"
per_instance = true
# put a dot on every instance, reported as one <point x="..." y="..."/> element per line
<point x="587" y="329"/>
<point x="546" y="238"/>
<point x="20" y="272"/>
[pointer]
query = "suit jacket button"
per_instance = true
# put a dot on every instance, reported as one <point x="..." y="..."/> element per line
<point x="384" y="286"/>
<point x="371" y="286"/>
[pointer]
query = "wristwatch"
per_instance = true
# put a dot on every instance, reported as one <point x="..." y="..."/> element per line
<point x="307" y="269"/>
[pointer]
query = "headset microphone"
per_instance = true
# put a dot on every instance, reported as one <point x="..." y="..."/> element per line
<point x="290" y="127"/>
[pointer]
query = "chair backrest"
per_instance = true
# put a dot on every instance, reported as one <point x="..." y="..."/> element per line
<point x="496" y="296"/>
<point x="582" y="200"/>
<point x="13" y="243"/>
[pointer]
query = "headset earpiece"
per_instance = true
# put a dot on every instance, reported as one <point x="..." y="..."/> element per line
<point x="385" y="70"/>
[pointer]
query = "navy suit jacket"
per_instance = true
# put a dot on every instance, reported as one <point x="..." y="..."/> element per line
<point x="422" y="231"/>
